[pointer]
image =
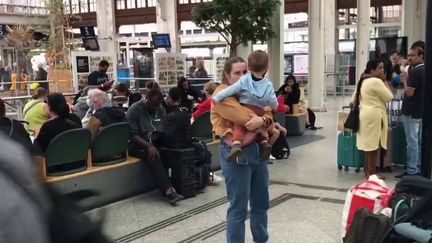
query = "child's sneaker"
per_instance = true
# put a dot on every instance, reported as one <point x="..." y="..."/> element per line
<point x="234" y="153"/>
<point x="265" y="151"/>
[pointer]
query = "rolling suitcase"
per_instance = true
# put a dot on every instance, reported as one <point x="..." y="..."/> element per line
<point x="180" y="164"/>
<point x="347" y="153"/>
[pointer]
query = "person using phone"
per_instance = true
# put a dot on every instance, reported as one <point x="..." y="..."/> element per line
<point x="100" y="78"/>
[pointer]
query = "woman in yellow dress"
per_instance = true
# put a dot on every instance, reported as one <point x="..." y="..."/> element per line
<point x="372" y="93"/>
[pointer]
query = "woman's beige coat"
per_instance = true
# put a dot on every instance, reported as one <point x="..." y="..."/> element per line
<point x="373" y="116"/>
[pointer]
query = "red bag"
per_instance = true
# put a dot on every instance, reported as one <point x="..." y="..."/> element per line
<point x="371" y="194"/>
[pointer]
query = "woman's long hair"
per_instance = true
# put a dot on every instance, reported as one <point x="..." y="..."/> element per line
<point x="371" y="65"/>
<point x="57" y="104"/>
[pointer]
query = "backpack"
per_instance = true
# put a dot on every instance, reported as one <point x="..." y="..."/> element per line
<point x="66" y="221"/>
<point x="202" y="172"/>
<point x="367" y="227"/>
<point x="176" y="131"/>
<point x="280" y="149"/>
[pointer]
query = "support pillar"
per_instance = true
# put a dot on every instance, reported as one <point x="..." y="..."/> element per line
<point x="316" y="55"/>
<point x="106" y="26"/>
<point x="413" y="20"/>
<point x="331" y="43"/>
<point x="363" y="36"/>
<point x="426" y="150"/>
<point x="276" y="48"/>
<point x="166" y="20"/>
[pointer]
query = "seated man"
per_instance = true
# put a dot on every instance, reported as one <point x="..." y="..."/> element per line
<point x="104" y="114"/>
<point x="146" y="118"/>
<point x="171" y="103"/>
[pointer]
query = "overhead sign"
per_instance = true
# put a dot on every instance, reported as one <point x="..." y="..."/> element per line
<point x="301" y="24"/>
<point x="161" y="40"/>
<point x="3" y="31"/>
<point x="87" y="31"/>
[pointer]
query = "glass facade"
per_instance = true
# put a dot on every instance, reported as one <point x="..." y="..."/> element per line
<point x="79" y="6"/>
<point x="131" y="4"/>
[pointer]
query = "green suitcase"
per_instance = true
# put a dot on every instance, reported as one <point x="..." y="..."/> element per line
<point x="347" y="153"/>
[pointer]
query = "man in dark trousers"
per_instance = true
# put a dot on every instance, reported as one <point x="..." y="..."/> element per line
<point x="100" y="78"/>
<point x="146" y="119"/>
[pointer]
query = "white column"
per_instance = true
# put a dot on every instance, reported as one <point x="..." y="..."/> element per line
<point x="106" y="26"/>
<point x="331" y="40"/>
<point x="414" y="20"/>
<point x="276" y="48"/>
<point x="166" y="20"/>
<point x="316" y="55"/>
<point x="363" y="36"/>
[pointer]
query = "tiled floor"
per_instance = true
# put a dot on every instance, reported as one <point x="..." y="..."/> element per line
<point x="311" y="214"/>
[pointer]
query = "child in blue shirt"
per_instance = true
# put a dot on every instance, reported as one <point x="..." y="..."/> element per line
<point x="256" y="93"/>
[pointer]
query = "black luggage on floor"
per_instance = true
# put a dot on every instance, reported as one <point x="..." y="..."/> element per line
<point x="177" y="130"/>
<point x="367" y="227"/>
<point x="181" y="166"/>
<point x="202" y="171"/>
<point x="280" y="149"/>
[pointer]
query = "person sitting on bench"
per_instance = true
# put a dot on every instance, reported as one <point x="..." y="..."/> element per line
<point x="146" y="118"/>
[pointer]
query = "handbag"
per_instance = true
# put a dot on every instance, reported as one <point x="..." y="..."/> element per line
<point x="367" y="227"/>
<point x="353" y="121"/>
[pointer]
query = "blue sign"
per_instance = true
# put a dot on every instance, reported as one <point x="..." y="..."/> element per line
<point x="161" y="41"/>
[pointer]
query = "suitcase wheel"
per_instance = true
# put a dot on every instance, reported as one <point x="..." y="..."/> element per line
<point x="357" y="170"/>
<point x="346" y="168"/>
<point x="339" y="167"/>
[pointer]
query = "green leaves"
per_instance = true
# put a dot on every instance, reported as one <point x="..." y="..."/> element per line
<point x="238" y="21"/>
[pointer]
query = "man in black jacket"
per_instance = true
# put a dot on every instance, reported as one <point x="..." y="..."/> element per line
<point x="146" y="118"/>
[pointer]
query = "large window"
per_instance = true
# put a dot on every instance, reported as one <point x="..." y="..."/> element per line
<point x="28" y="3"/>
<point x="151" y="3"/>
<point x="193" y="1"/>
<point x="141" y="3"/>
<point x="130" y="4"/>
<point x="79" y="6"/>
<point x="120" y="4"/>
